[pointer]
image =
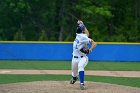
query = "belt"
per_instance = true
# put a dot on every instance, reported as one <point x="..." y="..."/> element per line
<point x="78" y="57"/>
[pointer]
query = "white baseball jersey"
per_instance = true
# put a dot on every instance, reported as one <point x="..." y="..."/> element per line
<point x="80" y="42"/>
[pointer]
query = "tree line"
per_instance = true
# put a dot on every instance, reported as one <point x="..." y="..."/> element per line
<point x="55" y="20"/>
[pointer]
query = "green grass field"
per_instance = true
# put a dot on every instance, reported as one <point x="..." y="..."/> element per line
<point x="66" y="65"/>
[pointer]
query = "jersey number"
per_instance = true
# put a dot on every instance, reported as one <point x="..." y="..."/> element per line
<point x="77" y="41"/>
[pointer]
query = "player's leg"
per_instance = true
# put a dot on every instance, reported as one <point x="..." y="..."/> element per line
<point x="74" y="70"/>
<point x="82" y="63"/>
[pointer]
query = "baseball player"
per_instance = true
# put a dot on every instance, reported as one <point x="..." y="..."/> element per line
<point x="80" y="51"/>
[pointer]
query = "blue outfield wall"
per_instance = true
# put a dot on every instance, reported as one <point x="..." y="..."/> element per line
<point x="63" y="51"/>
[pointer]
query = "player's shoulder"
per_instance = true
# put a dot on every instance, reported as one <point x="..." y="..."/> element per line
<point x="82" y="35"/>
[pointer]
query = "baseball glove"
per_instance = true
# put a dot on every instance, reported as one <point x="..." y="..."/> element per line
<point x="85" y="50"/>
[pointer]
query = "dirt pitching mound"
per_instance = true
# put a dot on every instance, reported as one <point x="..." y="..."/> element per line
<point x="64" y="87"/>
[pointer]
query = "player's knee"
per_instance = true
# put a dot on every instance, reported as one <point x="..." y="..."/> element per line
<point x="80" y="68"/>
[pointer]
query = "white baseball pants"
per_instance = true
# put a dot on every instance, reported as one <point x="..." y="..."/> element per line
<point x="78" y="64"/>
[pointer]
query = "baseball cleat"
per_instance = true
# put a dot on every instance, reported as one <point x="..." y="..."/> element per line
<point x="82" y="86"/>
<point x="72" y="81"/>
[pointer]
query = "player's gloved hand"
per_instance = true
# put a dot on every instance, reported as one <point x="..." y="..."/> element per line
<point x="86" y="50"/>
